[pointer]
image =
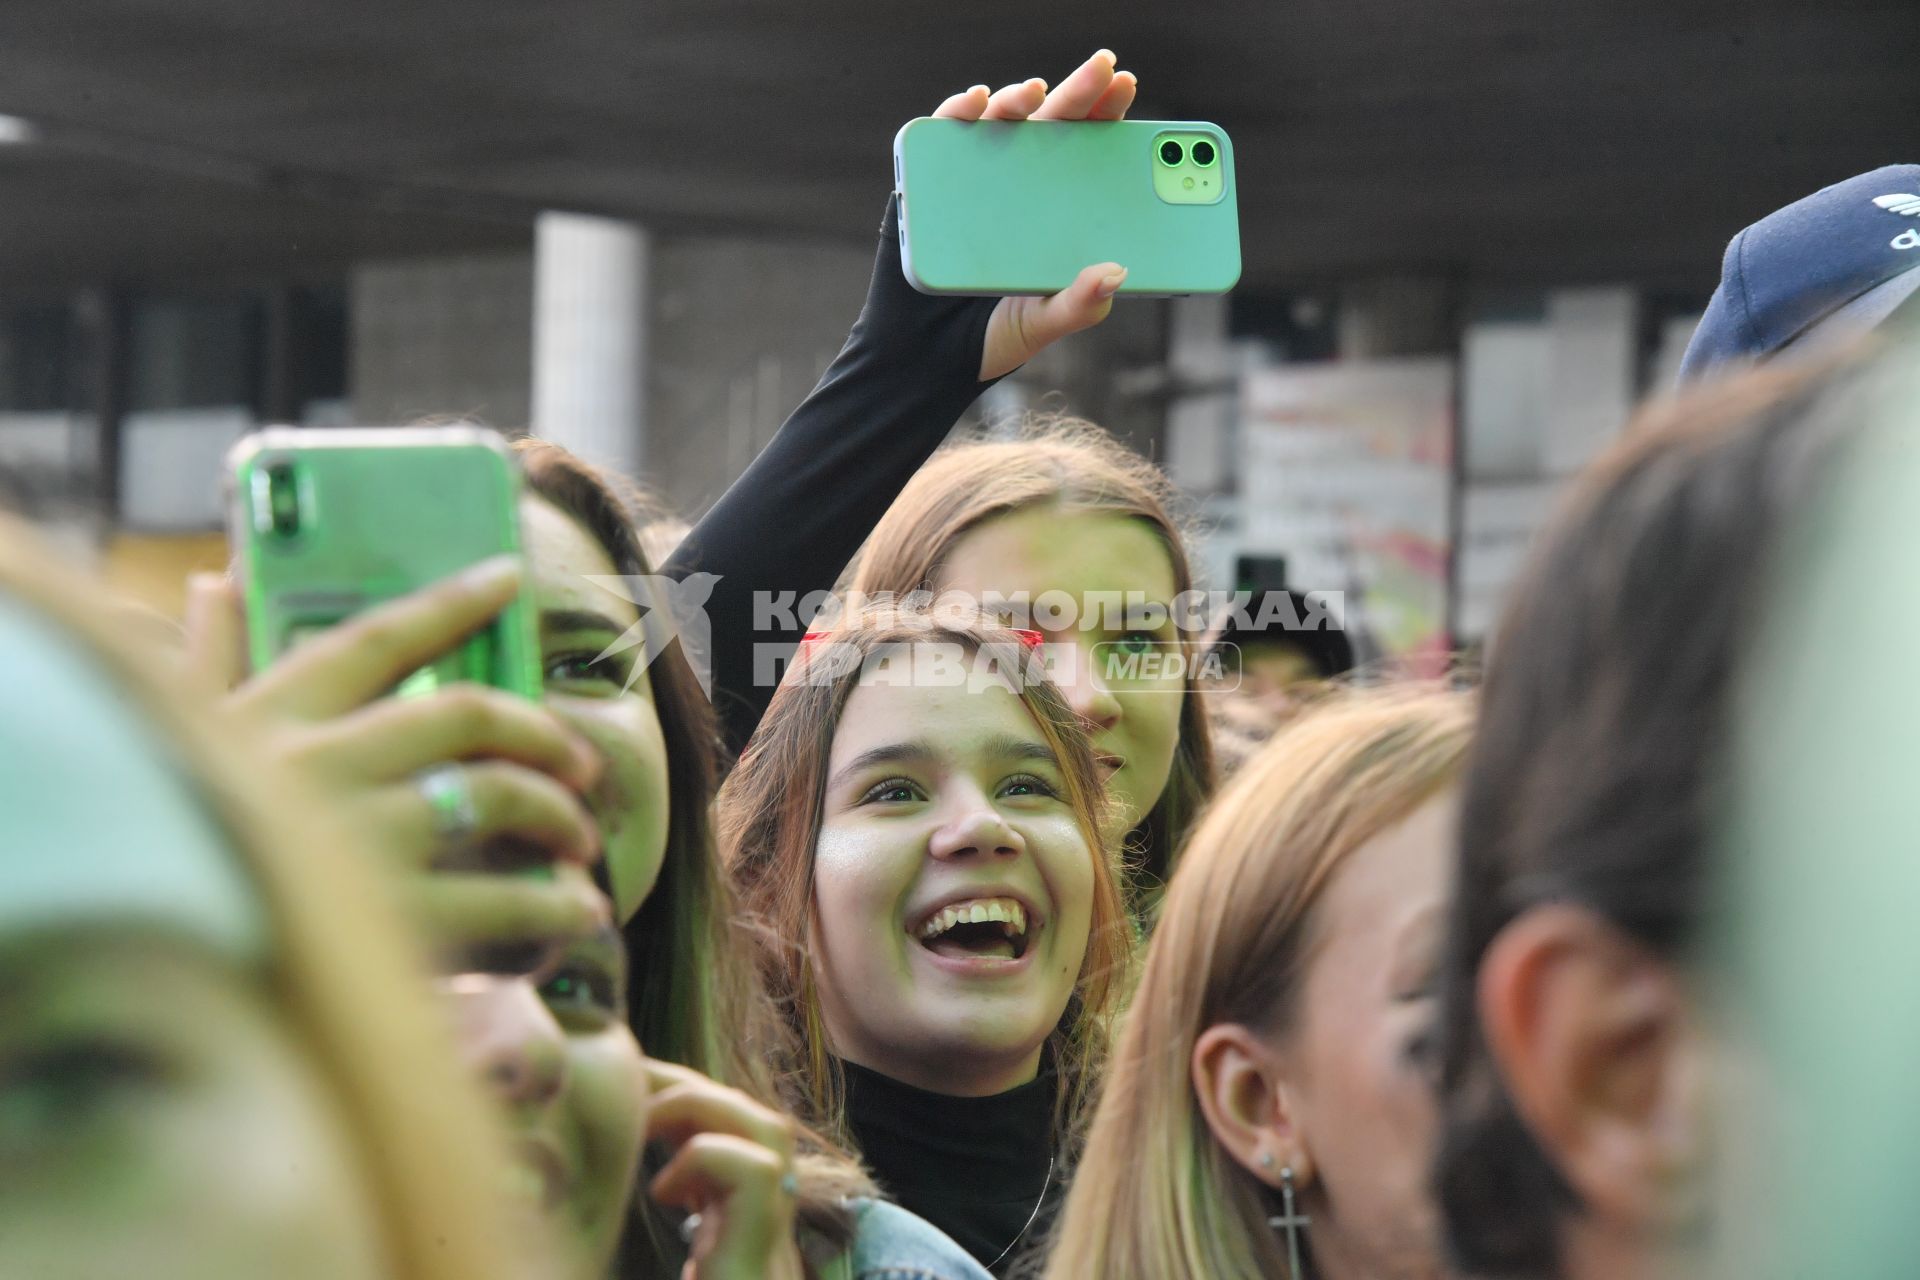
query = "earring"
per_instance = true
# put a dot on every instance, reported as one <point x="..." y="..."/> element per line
<point x="1288" y="1221"/>
<point x="1266" y="1160"/>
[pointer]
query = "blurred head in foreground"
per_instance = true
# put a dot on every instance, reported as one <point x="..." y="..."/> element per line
<point x="1817" y="947"/>
<point x="1580" y="1043"/>
<point x="215" y="1057"/>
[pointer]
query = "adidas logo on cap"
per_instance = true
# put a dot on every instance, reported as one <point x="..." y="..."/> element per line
<point x="1907" y="205"/>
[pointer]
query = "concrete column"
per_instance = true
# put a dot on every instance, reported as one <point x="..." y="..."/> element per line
<point x="590" y="337"/>
<point x="1201" y="413"/>
<point x="1594" y="336"/>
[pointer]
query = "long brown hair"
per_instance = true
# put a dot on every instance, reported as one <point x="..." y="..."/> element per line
<point x="1155" y="1196"/>
<point x="342" y="975"/>
<point x="770" y="816"/>
<point x="696" y="997"/>
<point x="1075" y="467"/>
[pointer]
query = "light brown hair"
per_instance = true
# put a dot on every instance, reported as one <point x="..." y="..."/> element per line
<point x="1156" y="1197"/>
<point x="1074" y="467"/>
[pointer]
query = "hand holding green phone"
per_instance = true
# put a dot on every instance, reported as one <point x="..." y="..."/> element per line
<point x="320" y="710"/>
<point x="999" y="195"/>
<point x="1022" y="326"/>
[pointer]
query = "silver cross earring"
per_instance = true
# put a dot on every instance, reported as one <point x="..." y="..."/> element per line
<point x="1288" y="1220"/>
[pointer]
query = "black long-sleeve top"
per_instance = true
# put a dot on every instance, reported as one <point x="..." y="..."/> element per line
<point x="798" y="513"/>
<point x="983" y="1170"/>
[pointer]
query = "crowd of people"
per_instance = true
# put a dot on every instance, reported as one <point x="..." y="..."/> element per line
<point x="946" y="953"/>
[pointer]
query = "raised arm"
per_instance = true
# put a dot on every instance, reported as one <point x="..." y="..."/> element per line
<point x="912" y="365"/>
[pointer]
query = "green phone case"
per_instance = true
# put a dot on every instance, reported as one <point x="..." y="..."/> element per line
<point x="1021" y="207"/>
<point x="376" y="513"/>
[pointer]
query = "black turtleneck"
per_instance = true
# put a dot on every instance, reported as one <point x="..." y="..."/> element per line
<point x="973" y="1167"/>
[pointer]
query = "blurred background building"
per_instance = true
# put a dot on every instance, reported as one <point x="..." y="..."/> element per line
<point x="1475" y="234"/>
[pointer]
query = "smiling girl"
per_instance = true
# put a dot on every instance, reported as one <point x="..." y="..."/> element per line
<point x="1067" y="508"/>
<point x="916" y="828"/>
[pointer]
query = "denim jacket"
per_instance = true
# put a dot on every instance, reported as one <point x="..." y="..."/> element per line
<point x="891" y="1244"/>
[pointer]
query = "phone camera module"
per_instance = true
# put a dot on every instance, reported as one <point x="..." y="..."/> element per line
<point x="1203" y="153"/>
<point x="1171" y="153"/>
<point x="283" y="500"/>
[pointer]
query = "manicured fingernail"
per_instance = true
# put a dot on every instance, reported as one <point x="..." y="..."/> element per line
<point x="491" y="574"/>
<point x="1038" y="81"/>
<point x="1109" y="56"/>
<point x="980" y="88"/>
<point x="1110" y="284"/>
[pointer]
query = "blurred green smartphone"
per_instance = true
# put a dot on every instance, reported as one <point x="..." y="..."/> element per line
<point x="1022" y="207"/>
<point x="326" y="523"/>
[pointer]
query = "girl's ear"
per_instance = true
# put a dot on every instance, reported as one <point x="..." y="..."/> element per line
<point x="1239" y="1080"/>
<point x="1595" y="1044"/>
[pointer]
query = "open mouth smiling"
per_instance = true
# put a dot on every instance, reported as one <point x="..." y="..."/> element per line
<point x="978" y="928"/>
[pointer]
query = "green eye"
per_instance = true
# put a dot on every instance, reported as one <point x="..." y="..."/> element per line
<point x="892" y="791"/>
<point x="1135" y="642"/>
<point x="50" y="1098"/>
<point x="581" y="993"/>
<point x="585" y="668"/>
<point x="1028" y="785"/>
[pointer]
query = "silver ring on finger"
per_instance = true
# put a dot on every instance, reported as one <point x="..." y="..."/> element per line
<point x="448" y="791"/>
<point x="690" y="1228"/>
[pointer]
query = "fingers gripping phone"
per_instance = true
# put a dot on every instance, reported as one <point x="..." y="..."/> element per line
<point x="999" y="207"/>
<point x="326" y="523"/>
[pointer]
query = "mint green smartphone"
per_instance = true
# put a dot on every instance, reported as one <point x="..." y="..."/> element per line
<point x="1022" y="207"/>
<point x="326" y="523"/>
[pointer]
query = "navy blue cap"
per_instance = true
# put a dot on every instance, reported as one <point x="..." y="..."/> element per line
<point x="1843" y="258"/>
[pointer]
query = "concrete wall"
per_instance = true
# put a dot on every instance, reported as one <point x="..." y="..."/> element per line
<point x="442" y="336"/>
<point x="740" y="329"/>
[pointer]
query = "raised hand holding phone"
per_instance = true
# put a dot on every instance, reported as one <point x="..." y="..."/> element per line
<point x="1021" y="327"/>
<point x="319" y="711"/>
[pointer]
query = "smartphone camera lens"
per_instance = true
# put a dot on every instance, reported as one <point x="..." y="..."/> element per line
<point x="1171" y="153"/>
<point x="1203" y="153"/>
<point x="283" y="500"/>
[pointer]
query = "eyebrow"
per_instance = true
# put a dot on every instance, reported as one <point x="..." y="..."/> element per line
<point x="1002" y="746"/>
<point x="605" y="944"/>
<point x="579" y="620"/>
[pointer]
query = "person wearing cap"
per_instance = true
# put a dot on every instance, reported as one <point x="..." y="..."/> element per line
<point x="1255" y="674"/>
<point x="1825" y="268"/>
<point x="215" y="1060"/>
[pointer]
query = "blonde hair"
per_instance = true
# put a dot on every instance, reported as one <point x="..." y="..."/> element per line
<point x="770" y="815"/>
<point x="341" y="973"/>
<point x="1156" y="1197"/>
<point x="1078" y="468"/>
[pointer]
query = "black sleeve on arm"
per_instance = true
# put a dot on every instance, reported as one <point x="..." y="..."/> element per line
<point x="794" y="518"/>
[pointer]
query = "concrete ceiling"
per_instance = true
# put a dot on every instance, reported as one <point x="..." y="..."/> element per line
<point x="1508" y="141"/>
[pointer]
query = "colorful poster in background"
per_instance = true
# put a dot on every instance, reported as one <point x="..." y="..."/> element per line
<point x="1347" y="470"/>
